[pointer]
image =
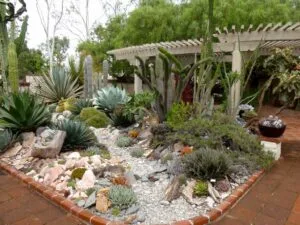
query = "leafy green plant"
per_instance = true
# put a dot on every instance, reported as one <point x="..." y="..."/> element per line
<point x="95" y="118"/>
<point x="97" y="150"/>
<point x="179" y="113"/>
<point x="144" y="99"/>
<point x="59" y="85"/>
<point x="6" y="139"/>
<point x="71" y="183"/>
<point x="206" y="164"/>
<point x="81" y="104"/>
<point x="137" y="153"/>
<point x="122" y="197"/>
<point x="23" y="112"/>
<point x="122" y="116"/>
<point x="115" y="211"/>
<point x="201" y="189"/>
<point x="108" y="98"/>
<point x="78" y="173"/>
<point x="78" y="134"/>
<point x="123" y="142"/>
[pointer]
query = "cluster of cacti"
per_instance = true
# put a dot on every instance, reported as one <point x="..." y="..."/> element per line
<point x="122" y="197"/>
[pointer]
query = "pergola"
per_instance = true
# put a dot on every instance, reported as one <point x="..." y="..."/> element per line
<point x="234" y="43"/>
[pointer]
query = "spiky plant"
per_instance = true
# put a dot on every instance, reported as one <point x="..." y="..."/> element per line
<point x="78" y="135"/>
<point x="59" y="85"/>
<point x="6" y="139"/>
<point x="23" y="112"/>
<point x="13" y="75"/>
<point x="81" y="104"/>
<point x="107" y="99"/>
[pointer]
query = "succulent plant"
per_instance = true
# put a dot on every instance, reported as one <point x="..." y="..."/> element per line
<point x="123" y="142"/>
<point x="78" y="173"/>
<point x="122" y="197"/>
<point x="272" y="121"/>
<point x="81" y="104"/>
<point x="94" y="118"/>
<point x="201" y="188"/>
<point x="137" y="153"/>
<point x="109" y="98"/>
<point x="6" y="139"/>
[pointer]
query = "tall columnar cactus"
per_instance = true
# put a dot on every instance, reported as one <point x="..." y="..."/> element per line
<point x="105" y="67"/>
<point x="12" y="57"/>
<point x="88" y="77"/>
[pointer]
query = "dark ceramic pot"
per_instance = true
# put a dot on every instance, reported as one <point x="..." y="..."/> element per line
<point x="272" y="132"/>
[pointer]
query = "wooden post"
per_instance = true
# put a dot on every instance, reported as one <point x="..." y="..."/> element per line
<point x="88" y="77"/>
<point x="138" y="83"/>
<point x="235" y="92"/>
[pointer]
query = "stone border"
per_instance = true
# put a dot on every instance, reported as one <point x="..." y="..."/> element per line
<point x="87" y="216"/>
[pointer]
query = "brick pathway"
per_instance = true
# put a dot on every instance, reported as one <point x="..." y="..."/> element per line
<point x="275" y="199"/>
<point x="21" y="206"/>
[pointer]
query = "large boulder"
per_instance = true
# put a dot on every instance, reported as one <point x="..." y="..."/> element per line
<point x="48" y="144"/>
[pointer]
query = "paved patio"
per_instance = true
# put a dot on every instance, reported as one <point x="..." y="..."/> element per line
<point x="275" y="199"/>
<point x="21" y="206"/>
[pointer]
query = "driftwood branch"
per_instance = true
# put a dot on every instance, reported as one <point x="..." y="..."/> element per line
<point x="11" y="10"/>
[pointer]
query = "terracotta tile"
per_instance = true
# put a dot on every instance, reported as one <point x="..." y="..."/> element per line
<point x="99" y="221"/>
<point x="243" y="214"/>
<point x="294" y="218"/>
<point x="200" y="220"/>
<point x="32" y="220"/>
<point x="266" y="220"/>
<point x="275" y="211"/>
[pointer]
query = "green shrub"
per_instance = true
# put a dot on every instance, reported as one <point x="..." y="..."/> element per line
<point x="6" y="139"/>
<point x="206" y="164"/>
<point x="201" y="189"/>
<point x="97" y="150"/>
<point x="179" y="113"/>
<point x="78" y="173"/>
<point x="122" y="197"/>
<point x="59" y="85"/>
<point x="166" y="158"/>
<point x="78" y="135"/>
<point x="123" y="142"/>
<point x="144" y="99"/>
<point x="137" y="153"/>
<point x="115" y="211"/>
<point x="107" y="99"/>
<point x="23" y="112"/>
<point x="94" y="118"/>
<point x="81" y="104"/>
<point x="122" y="117"/>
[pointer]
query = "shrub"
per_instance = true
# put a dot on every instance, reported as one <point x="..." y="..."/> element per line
<point x="78" y="173"/>
<point x="115" y="211"/>
<point x="123" y="142"/>
<point x="6" y="139"/>
<point x="178" y="114"/>
<point x="94" y="118"/>
<point x="201" y="188"/>
<point x="122" y="116"/>
<point x="137" y="153"/>
<point x="59" y="85"/>
<point x="109" y="98"/>
<point x="97" y="150"/>
<point x="166" y="158"/>
<point x="144" y="99"/>
<point x="122" y="197"/>
<point x="23" y="112"/>
<point x="81" y="104"/>
<point x="78" y="134"/>
<point x="206" y="164"/>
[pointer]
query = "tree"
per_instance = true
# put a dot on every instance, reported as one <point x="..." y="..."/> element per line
<point x="50" y="14"/>
<point x="61" y="46"/>
<point x="31" y="61"/>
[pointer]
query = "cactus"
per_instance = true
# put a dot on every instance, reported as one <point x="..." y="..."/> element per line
<point x="88" y="77"/>
<point x="12" y="57"/>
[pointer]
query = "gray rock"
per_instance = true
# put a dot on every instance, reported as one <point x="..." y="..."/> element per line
<point x="145" y="134"/>
<point x="141" y="217"/>
<point x="81" y="203"/>
<point x="91" y="200"/>
<point x="165" y="203"/>
<point x="173" y="190"/>
<point x="40" y="130"/>
<point x="130" y="178"/>
<point x="133" y="209"/>
<point x="103" y="182"/>
<point x="49" y="149"/>
<point x="144" y="179"/>
<point x="28" y="139"/>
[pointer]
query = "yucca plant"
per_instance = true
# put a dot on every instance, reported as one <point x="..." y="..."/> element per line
<point x="7" y="138"/>
<point x="81" y="104"/>
<point x="23" y="112"/>
<point x="78" y="135"/>
<point x="59" y="85"/>
<point x="108" y="98"/>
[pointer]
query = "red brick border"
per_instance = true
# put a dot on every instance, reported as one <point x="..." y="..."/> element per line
<point x="87" y="216"/>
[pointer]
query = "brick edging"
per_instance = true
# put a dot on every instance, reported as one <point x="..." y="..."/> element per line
<point x="87" y="216"/>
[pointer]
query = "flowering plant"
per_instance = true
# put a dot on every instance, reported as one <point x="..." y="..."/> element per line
<point x="272" y="121"/>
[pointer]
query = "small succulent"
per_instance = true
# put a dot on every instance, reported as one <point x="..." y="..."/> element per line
<point x="115" y="211"/>
<point x="201" y="188"/>
<point x="272" y="121"/>
<point x="6" y="139"/>
<point x="122" y="197"/>
<point x="78" y="173"/>
<point x="137" y="153"/>
<point x="81" y="104"/>
<point x="123" y="141"/>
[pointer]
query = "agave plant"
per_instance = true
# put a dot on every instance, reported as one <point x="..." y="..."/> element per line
<point x="78" y="134"/>
<point x="23" y="112"/>
<point x="6" y="139"/>
<point x="59" y="85"/>
<point x="81" y="104"/>
<point x="108" y="98"/>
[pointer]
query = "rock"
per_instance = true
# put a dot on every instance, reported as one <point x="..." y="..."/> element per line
<point x="12" y="151"/>
<point x="83" y="162"/>
<point x="96" y="161"/>
<point x="40" y="130"/>
<point x="165" y="203"/>
<point x="148" y="153"/>
<point x="102" y="202"/>
<point x="74" y="155"/>
<point x="153" y="178"/>
<point x="91" y="200"/>
<point x="188" y="191"/>
<point x="70" y="164"/>
<point x="62" y="187"/>
<point x="178" y="147"/>
<point x="79" y="194"/>
<point x="28" y="139"/>
<point x="145" y="134"/>
<point x="145" y="179"/>
<point x="114" y="171"/>
<point x="119" y="181"/>
<point x="130" y="177"/>
<point x="81" y="203"/>
<point x="49" y="149"/>
<point x="210" y="202"/>
<point x="31" y="173"/>
<point x="60" y="118"/>
<point x="67" y="113"/>
<point x="133" y="209"/>
<point x="52" y="174"/>
<point x="104" y="182"/>
<point x="141" y="217"/>
<point x="87" y="181"/>
<point x="173" y="190"/>
<point x="99" y="172"/>
<point x="130" y="219"/>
